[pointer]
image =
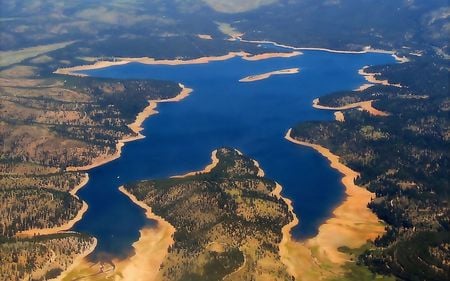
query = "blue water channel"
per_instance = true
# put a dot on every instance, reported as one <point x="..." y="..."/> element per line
<point x="223" y="112"/>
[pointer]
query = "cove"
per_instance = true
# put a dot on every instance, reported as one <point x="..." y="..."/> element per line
<point x="223" y="112"/>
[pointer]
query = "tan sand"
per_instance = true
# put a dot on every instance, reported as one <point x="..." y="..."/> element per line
<point x="146" y="60"/>
<point x="260" y="171"/>
<point x="150" y="250"/>
<point x="371" y="78"/>
<point x="263" y="76"/>
<point x="204" y="36"/>
<point x="68" y="225"/>
<point x="272" y="55"/>
<point x="367" y="49"/>
<point x="285" y="254"/>
<point x="151" y="61"/>
<point x="136" y="127"/>
<point x="83" y="182"/>
<point x="367" y="106"/>
<point x="78" y="261"/>
<point x="363" y="87"/>
<point x="207" y="169"/>
<point x="352" y="225"/>
<point x="364" y="105"/>
<point x="53" y="230"/>
<point x="339" y="116"/>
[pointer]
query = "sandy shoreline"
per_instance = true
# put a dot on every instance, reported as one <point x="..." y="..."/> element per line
<point x="352" y="225"/>
<point x="151" y="248"/>
<point x="286" y="256"/>
<point x="263" y="76"/>
<point x="207" y="169"/>
<point x="77" y="262"/>
<point x="151" y="61"/>
<point x="272" y="55"/>
<point x="363" y="87"/>
<point x="367" y="49"/>
<point x="53" y="230"/>
<point x="136" y="127"/>
<point x="261" y="172"/>
<point x="146" y="234"/>
<point x="230" y="55"/>
<point x="363" y="105"/>
<point x="83" y="182"/>
<point x="68" y="225"/>
<point x="372" y="79"/>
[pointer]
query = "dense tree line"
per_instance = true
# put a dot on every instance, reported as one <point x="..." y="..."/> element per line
<point x="404" y="159"/>
<point x="231" y="207"/>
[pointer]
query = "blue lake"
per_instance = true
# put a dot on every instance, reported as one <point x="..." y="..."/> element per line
<point x="223" y="112"/>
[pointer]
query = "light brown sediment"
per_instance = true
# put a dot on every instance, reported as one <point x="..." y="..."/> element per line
<point x="79" y="186"/>
<point x="260" y="171"/>
<point x="352" y="225"/>
<point x="148" y="244"/>
<point x="53" y="230"/>
<point x="371" y="78"/>
<point x="79" y="260"/>
<point x="66" y="226"/>
<point x="207" y="169"/>
<point x="204" y="36"/>
<point x="364" y="105"/>
<point x="286" y="255"/>
<point x="363" y="87"/>
<point x="365" y="50"/>
<point x="272" y="55"/>
<point x="263" y="76"/>
<point x="339" y="116"/>
<point x="151" y="61"/>
<point x="150" y="250"/>
<point x="136" y="127"/>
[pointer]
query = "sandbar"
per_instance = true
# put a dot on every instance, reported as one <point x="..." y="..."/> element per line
<point x="204" y="36"/>
<point x="352" y="225"/>
<point x="272" y="55"/>
<point x="263" y="76"/>
<point x="363" y="105"/>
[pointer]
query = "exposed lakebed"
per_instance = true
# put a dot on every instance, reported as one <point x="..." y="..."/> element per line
<point x="223" y="112"/>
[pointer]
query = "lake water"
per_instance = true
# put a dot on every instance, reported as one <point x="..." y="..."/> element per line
<point x="222" y="112"/>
